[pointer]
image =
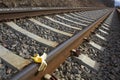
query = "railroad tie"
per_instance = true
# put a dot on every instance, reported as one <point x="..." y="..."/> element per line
<point x="82" y="17"/>
<point x="103" y="31"/>
<point x="86" y="61"/>
<point x="105" y="24"/>
<point x="48" y="27"/>
<point x="77" y="18"/>
<point x="12" y="59"/>
<point x="101" y="37"/>
<point x="90" y="20"/>
<point x="106" y="28"/>
<point x="96" y="46"/>
<point x="31" y="35"/>
<point x="71" y="21"/>
<point x="62" y="23"/>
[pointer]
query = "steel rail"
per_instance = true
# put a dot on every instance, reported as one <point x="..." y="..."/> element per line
<point x="58" y="55"/>
<point x="14" y="13"/>
<point x="11" y="10"/>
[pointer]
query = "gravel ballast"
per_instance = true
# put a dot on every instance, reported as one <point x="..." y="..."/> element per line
<point x="19" y="43"/>
<point x="108" y="59"/>
<point x="56" y="26"/>
<point x="41" y="31"/>
<point x="26" y="47"/>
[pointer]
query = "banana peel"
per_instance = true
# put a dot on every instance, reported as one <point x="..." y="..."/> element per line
<point x="41" y="60"/>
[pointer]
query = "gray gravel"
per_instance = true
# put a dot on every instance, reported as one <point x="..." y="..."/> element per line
<point x="19" y="43"/>
<point x="82" y="17"/>
<point x="94" y="15"/>
<point x="89" y="14"/>
<point x="73" y="19"/>
<point x="100" y="33"/>
<point x="56" y="26"/>
<point x="5" y="71"/>
<point x="67" y="22"/>
<point x="109" y="58"/>
<point x="98" y="41"/>
<point x="41" y="31"/>
<point x="70" y="70"/>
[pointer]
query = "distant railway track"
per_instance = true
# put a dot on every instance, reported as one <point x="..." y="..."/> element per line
<point x="26" y="31"/>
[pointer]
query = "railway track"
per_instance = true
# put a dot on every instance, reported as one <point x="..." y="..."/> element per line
<point x="99" y="55"/>
<point x="24" y="33"/>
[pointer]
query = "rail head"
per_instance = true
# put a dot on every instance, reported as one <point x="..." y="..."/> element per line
<point x="15" y="13"/>
<point x="31" y="9"/>
<point x="58" y="55"/>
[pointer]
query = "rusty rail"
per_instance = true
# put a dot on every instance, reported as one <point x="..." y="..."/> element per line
<point x="14" y="13"/>
<point x="58" y="55"/>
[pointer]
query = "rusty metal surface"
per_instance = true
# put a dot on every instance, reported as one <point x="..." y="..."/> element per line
<point x="13" y="13"/>
<point x="58" y="55"/>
